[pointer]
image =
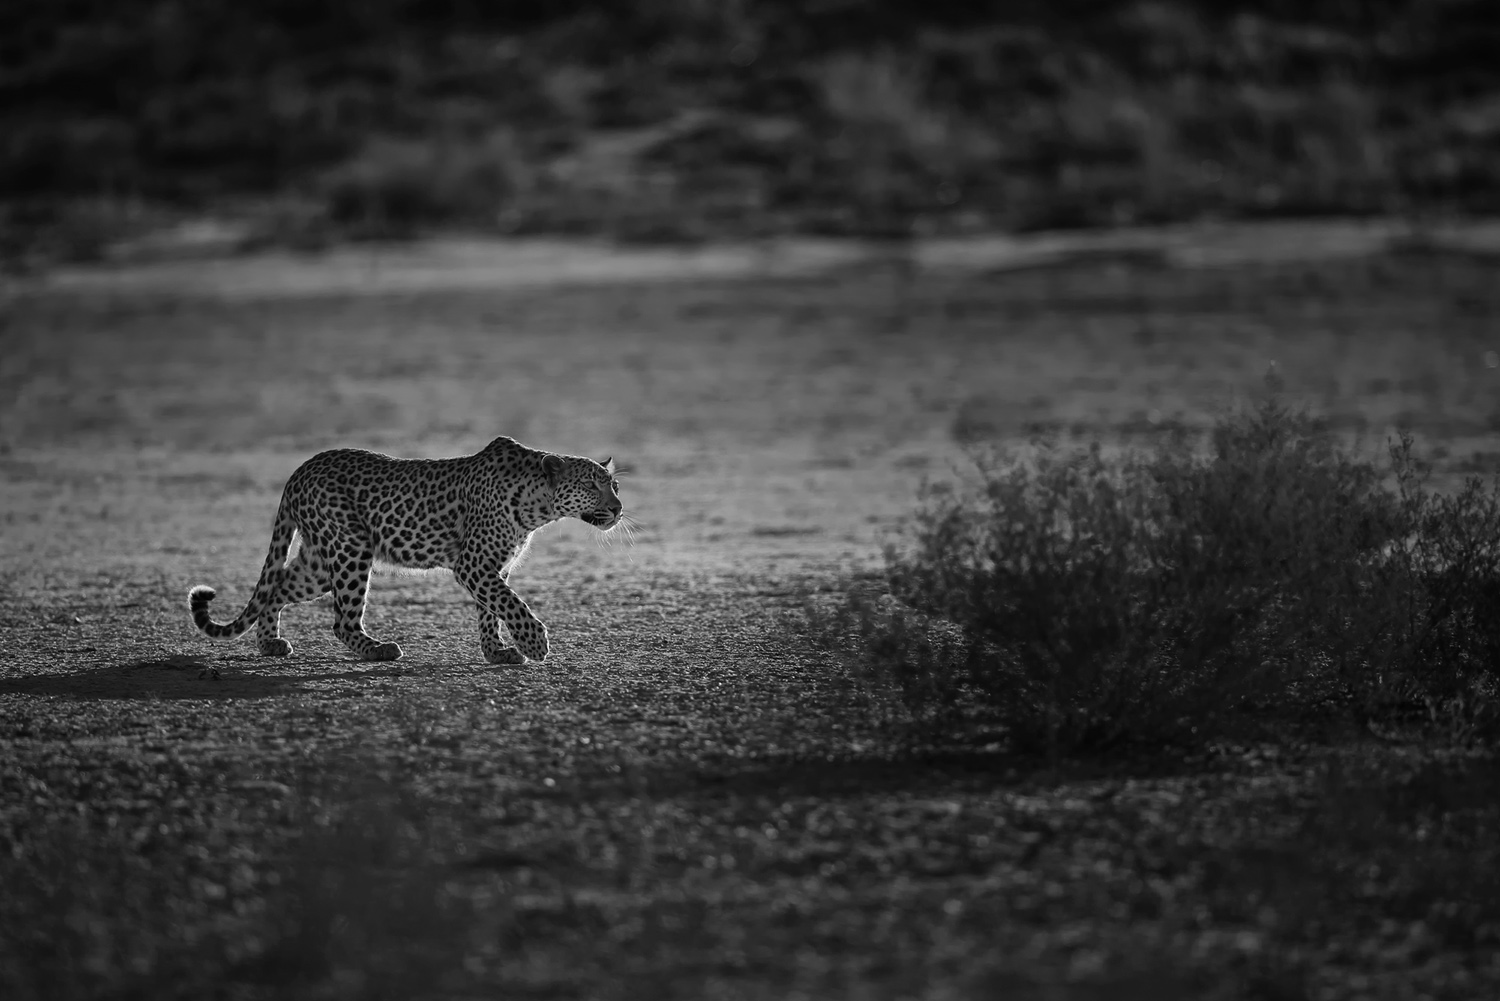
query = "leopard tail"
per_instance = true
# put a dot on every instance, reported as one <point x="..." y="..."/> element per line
<point x="283" y="531"/>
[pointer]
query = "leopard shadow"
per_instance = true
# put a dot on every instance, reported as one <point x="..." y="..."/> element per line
<point x="174" y="677"/>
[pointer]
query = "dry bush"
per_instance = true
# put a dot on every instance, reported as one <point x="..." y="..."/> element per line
<point x="1083" y="601"/>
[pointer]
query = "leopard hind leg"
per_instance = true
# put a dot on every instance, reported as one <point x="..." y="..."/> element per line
<point x="303" y="579"/>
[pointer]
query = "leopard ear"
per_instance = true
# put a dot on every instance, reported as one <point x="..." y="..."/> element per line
<point x="552" y="465"/>
<point x="609" y="465"/>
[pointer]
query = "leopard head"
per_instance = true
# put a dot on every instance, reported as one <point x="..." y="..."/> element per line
<point x="584" y="489"/>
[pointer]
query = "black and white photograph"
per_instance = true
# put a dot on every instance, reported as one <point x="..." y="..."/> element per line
<point x="750" y="500"/>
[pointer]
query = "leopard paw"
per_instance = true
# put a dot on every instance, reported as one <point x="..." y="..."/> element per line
<point x="532" y="642"/>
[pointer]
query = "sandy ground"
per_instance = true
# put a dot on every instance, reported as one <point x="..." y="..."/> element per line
<point x="682" y="801"/>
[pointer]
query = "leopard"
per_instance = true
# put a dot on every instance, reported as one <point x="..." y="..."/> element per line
<point x="347" y="511"/>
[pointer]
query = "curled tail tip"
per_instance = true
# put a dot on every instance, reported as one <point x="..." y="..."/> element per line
<point x="201" y="595"/>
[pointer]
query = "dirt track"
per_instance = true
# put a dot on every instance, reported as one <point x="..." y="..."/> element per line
<point x="678" y="803"/>
<point x="478" y="264"/>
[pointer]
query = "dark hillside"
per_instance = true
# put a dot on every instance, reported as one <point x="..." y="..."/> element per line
<point x="678" y="118"/>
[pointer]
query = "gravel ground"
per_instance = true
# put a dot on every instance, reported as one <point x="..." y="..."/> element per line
<point x="682" y="801"/>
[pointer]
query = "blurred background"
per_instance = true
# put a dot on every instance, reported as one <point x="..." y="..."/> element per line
<point x="301" y="121"/>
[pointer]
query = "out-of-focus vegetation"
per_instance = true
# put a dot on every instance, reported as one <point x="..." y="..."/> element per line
<point x="1366" y="876"/>
<point x="674" y="119"/>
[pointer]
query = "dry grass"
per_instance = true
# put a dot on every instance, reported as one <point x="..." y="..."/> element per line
<point x="676" y="805"/>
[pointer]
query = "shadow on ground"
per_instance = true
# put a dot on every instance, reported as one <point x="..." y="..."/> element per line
<point x="178" y="677"/>
<point x="934" y="771"/>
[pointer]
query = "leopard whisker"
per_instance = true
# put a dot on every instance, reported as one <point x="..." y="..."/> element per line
<point x="624" y="528"/>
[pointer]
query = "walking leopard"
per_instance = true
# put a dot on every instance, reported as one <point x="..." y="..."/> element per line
<point x="474" y="514"/>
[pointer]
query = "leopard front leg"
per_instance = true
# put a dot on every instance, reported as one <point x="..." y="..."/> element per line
<point x="492" y="644"/>
<point x="350" y="573"/>
<point x="498" y="603"/>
